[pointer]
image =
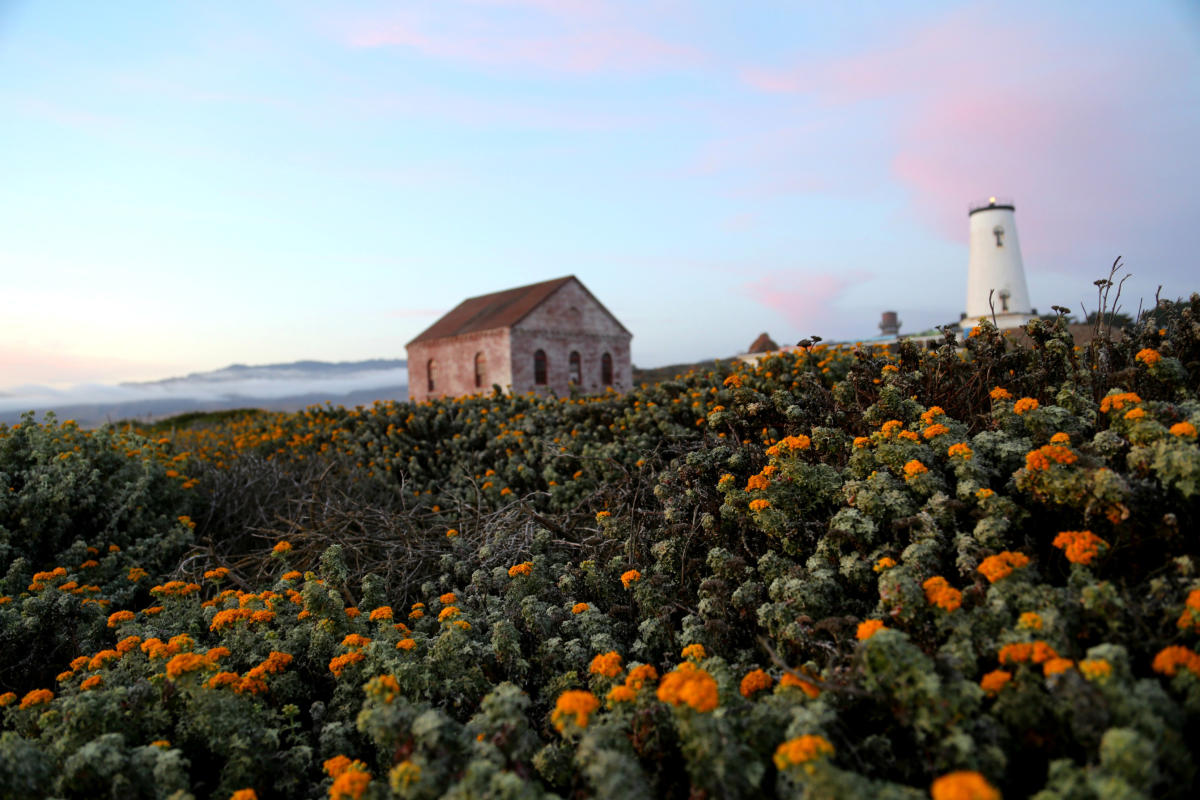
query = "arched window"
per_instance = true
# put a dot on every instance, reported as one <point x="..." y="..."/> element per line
<point x="431" y="373"/>
<point x="606" y="369"/>
<point x="576" y="368"/>
<point x="539" y="367"/>
<point x="480" y="370"/>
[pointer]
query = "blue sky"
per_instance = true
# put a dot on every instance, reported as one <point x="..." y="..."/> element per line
<point x="186" y="185"/>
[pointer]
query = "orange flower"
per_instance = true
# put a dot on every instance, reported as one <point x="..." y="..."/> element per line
<point x="694" y="651"/>
<point x="640" y="675"/>
<point x="1168" y="661"/>
<point x="1060" y="438"/>
<point x="914" y="468"/>
<point x="1000" y="393"/>
<point x="91" y="682"/>
<point x="406" y="644"/>
<point x="579" y="608"/>
<point x="791" y="680"/>
<point x="1184" y="430"/>
<point x="448" y="599"/>
<point x="885" y="563"/>
<point x="36" y="697"/>
<point x="382" y="613"/>
<point x="1024" y="405"/>
<point x="869" y="628"/>
<point x="350" y="784"/>
<point x="1117" y="402"/>
<point x="1002" y="564"/>
<point x="963" y="785"/>
<point x="621" y="694"/>
<point x="449" y="612"/>
<point x="281" y="547"/>
<point x="936" y="430"/>
<point x="524" y="568"/>
<point x="940" y="593"/>
<point x="1080" y="546"/>
<point x="995" y="680"/>
<point x="117" y="617"/>
<point x="630" y="577"/>
<point x="801" y="750"/>
<point x="960" y="449"/>
<point x="574" y="706"/>
<point x="1148" y="356"/>
<point x="607" y="664"/>
<point x="755" y="681"/>
<point x="757" y="482"/>
<point x="244" y="794"/>
<point x="1056" y="666"/>
<point x="1047" y="455"/>
<point x="689" y="685"/>
<point x="759" y="504"/>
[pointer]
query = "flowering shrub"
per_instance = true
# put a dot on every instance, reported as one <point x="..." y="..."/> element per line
<point x="858" y="571"/>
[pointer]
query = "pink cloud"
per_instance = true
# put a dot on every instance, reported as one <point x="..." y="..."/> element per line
<point x="805" y="300"/>
<point x="1093" y="142"/>
<point x="541" y="35"/>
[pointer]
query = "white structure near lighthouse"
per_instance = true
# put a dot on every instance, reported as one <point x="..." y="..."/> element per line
<point x="995" y="275"/>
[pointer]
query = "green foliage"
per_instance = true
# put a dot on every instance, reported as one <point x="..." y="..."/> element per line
<point x="833" y="573"/>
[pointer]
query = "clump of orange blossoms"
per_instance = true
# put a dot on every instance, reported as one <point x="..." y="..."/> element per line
<point x="1002" y="564"/>
<point x="524" y="568"/>
<point x="995" y="680"/>
<point x="961" y="449"/>
<point x="801" y="750"/>
<point x="1000" y="393"/>
<point x="630" y="577"/>
<point x="579" y="608"/>
<point x="694" y="651"/>
<point x="1148" y="356"/>
<point x="574" y="706"/>
<point x="382" y="613"/>
<point x="1080" y="546"/>
<point x="759" y="504"/>
<point x="1048" y="455"/>
<point x="1117" y="402"/>
<point x="1024" y="405"/>
<point x="869" y="628"/>
<point x="941" y="594"/>
<point x="1020" y="652"/>
<point x="640" y="675"/>
<point x="935" y="430"/>
<point x="793" y="680"/>
<point x="1055" y="666"/>
<point x="1190" y="618"/>
<point x="914" y="468"/>
<point x="282" y="546"/>
<point x="607" y="664"/>
<point x="1184" y="430"/>
<point x="689" y="685"/>
<point x="887" y="562"/>
<point x="755" y="681"/>
<point x="1170" y="659"/>
<point x="963" y="785"/>
<point x="36" y="697"/>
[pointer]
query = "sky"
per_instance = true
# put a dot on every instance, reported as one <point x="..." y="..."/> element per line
<point x="188" y="185"/>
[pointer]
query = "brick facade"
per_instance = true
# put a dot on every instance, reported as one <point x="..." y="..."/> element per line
<point x="559" y="318"/>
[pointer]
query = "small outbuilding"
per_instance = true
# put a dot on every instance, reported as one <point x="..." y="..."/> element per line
<point x="550" y="336"/>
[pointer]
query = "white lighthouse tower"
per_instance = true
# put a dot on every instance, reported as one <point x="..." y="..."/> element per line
<point x="994" y="268"/>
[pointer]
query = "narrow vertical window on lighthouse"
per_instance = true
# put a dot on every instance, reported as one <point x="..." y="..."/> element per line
<point x="998" y="231"/>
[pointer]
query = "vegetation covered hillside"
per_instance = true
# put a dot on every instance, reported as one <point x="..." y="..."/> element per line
<point x="960" y="572"/>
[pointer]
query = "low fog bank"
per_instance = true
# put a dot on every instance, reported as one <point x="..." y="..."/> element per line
<point x="276" y="387"/>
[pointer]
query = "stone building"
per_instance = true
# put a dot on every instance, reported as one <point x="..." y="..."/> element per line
<point x="550" y="336"/>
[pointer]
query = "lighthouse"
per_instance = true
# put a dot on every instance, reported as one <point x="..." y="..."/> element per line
<point x="994" y="268"/>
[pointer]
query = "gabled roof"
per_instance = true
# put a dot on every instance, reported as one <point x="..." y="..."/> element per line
<point x="497" y="310"/>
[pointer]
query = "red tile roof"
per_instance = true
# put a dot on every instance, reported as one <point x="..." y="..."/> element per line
<point x="490" y="311"/>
